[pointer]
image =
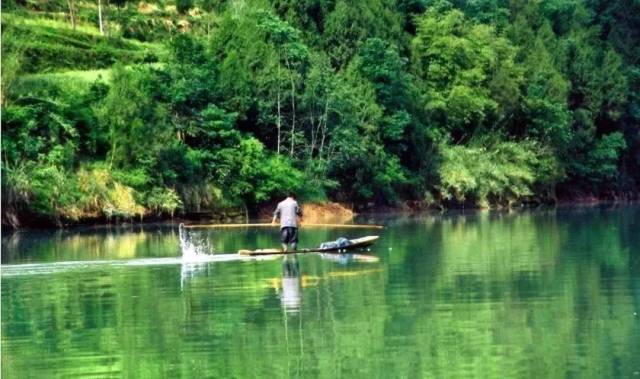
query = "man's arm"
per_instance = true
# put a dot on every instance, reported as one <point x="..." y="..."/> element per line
<point x="299" y="212"/>
<point x="276" y="214"/>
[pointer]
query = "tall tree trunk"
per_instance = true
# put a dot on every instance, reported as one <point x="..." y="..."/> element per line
<point x="293" y="106"/>
<point x="105" y="18"/>
<point x="113" y="152"/>
<point x="100" y="17"/>
<point x="293" y="117"/>
<point x="312" y="120"/>
<point x="279" y="120"/>
<point x="72" y="13"/>
<point x="316" y="129"/>
<point x="324" y="127"/>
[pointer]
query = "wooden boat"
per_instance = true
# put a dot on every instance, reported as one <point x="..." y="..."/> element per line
<point x="357" y="243"/>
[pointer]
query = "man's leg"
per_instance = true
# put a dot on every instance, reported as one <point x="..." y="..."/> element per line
<point x="285" y="237"/>
<point x="294" y="238"/>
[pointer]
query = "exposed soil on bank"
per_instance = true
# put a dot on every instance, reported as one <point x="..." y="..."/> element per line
<point x="328" y="212"/>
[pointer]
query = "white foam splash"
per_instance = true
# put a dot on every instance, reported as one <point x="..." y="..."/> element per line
<point x="194" y="247"/>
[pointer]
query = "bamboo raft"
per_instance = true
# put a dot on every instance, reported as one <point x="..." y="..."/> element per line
<point x="357" y="243"/>
<point x="303" y="225"/>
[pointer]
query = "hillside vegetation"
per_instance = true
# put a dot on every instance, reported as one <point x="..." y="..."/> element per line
<point x="130" y="110"/>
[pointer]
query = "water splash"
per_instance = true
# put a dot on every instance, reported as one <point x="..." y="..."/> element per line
<point x="194" y="247"/>
<point x="195" y="252"/>
<point x="198" y="252"/>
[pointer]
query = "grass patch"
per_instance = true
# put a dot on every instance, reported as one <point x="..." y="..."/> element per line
<point x="46" y="45"/>
<point x="47" y="20"/>
<point x="74" y="80"/>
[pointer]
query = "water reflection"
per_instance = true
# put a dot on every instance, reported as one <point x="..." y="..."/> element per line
<point x="84" y="244"/>
<point x="291" y="295"/>
<point x="538" y="294"/>
<point x="343" y="259"/>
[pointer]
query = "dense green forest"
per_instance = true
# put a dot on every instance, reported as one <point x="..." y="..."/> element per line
<point x="118" y="109"/>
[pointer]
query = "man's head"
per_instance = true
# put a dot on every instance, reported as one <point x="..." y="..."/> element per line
<point x="292" y="195"/>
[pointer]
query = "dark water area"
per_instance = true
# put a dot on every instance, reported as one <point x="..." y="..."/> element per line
<point x="534" y="294"/>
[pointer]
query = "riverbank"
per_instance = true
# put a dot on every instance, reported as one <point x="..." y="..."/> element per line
<point x="326" y="212"/>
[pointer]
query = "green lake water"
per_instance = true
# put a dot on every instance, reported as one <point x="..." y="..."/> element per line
<point x="535" y="294"/>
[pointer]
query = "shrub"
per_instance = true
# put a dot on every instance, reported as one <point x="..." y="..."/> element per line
<point x="599" y="164"/>
<point x="102" y="195"/>
<point x="163" y="200"/>
<point x="496" y="172"/>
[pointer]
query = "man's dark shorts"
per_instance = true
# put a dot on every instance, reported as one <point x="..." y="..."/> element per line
<point x="289" y="234"/>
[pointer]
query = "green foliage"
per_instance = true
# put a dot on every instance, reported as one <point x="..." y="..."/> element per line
<point x="251" y="175"/>
<point x="495" y="172"/>
<point x="11" y="67"/>
<point x="469" y="72"/>
<point x="101" y="195"/>
<point x="129" y="113"/>
<point x="161" y="200"/>
<point x="350" y="23"/>
<point x="48" y="48"/>
<point x="599" y="164"/>
<point x="367" y="102"/>
<point x="39" y="130"/>
<point x="358" y="160"/>
<point x="183" y="6"/>
<point x="48" y="190"/>
<point x="382" y="65"/>
<point x="142" y="27"/>
<point x="277" y="177"/>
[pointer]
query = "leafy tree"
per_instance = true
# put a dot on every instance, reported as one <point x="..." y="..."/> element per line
<point x="130" y="115"/>
<point x="319" y="105"/>
<point x="293" y="54"/>
<point x="358" y="160"/>
<point x="350" y="23"/>
<point x="382" y="65"/>
<point x="544" y="106"/>
<point x="308" y="16"/>
<point x="469" y="72"/>
<point x="597" y="164"/>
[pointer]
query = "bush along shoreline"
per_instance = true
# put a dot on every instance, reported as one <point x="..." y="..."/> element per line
<point x="151" y="111"/>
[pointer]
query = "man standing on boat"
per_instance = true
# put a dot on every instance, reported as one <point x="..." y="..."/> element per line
<point x="288" y="211"/>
